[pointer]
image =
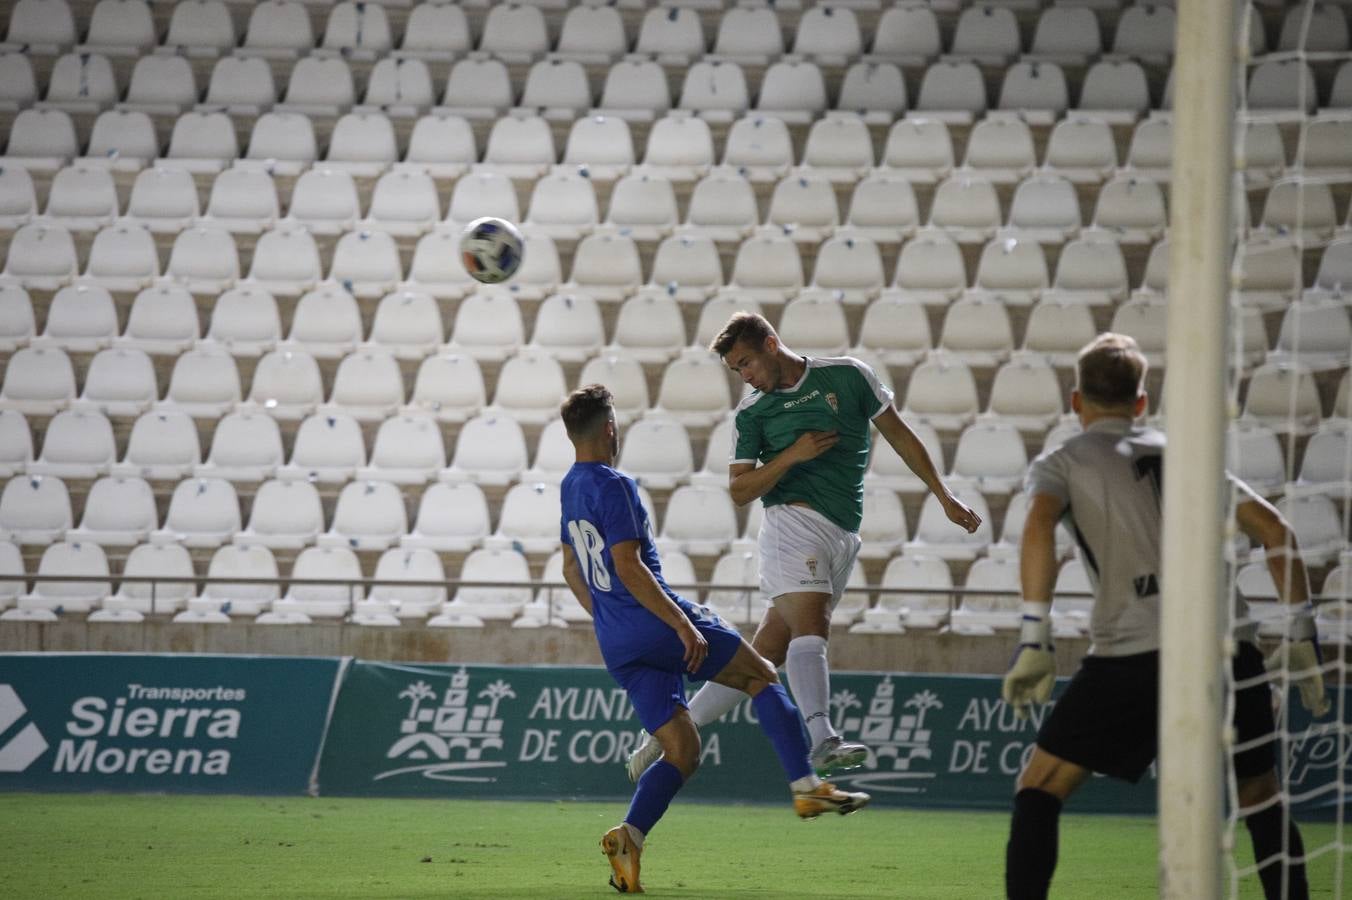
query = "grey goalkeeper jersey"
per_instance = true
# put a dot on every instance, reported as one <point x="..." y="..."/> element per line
<point x="1111" y="480"/>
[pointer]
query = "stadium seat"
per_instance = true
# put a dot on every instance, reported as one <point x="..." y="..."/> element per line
<point x="1013" y="269"/>
<point x="952" y="91"/>
<point x="1081" y="149"/>
<point x="897" y="330"/>
<point x="162" y="322"/>
<point x="1131" y="209"/>
<point x="246" y="446"/>
<point x="18" y="200"/>
<point x="39" y="381"/>
<point x="1146" y="320"/>
<point x="77" y="445"/>
<point x="715" y="89"/>
<point x="123" y="258"/>
<point x="1254" y="455"/>
<point x="80" y="319"/>
<point x="1302" y="207"/>
<point x="203" y="513"/>
<point x="35" y="510"/>
<point x="435" y="29"/>
<point x="930" y="269"/>
<point x="490" y="450"/>
<point x="907" y="34"/>
<point x="204" y="260"/>
<point x="759" y="148"/>
<point x="487" y="327"/>
<point x="367" y="264"/>
<point x="656" y="451"/>
<point x="41" y="257"/>
<point x="531" y="386"/>
<point x="942" y="393"/>
<point x="1283" y="397"/>
<point x="240" y="87"/>
<point x="163" y="447"/>
<point x="505" y="567"/>
<point x="986" y="613"/>
<point x="369" y="515"/>
<point x="16" y="444"/>
<point x="1058" y="328"/>
<point x="407" y="450"/>
<point x="1067" y="34"/>
<point x="252" y="561"/>
<point x="82" y="198"/>
<point x="400" y="87"/>
<point x="201" y="142"/>
<point x="722" y="208"/>
<point x="81" y="83"/>
<point x="1317" y="524"/>
<point x="286" y="515"/>
<point x="1026" y="394"/>
<point x="830" y="34"/>
<point x="894" y="611"/>
<point x="1045" y="209"/>
<point x="554" y="454"/>
<point x="987" y="34"/>
<point x="1315" y="334"/>
<point x="41" y="140"/>
<point x="204" y="384"/>
<point x="279" y="28"/>
<point x="635" y="90"/>
<point x="244" y="322"/>
<point x="1091" y="270"/>
<point x="592" y="34"/>
<point x="326" y="323"/>
<point x="328" y="449"/>
<point x="17" y="326"/>
<point x="1264" y="158"/>
<point x="147" y="561"/>
<point x="606" y="267"/>
<point x="716" y="311"/>
<point x="967" y="208"/>
<point x="367" y="386"/>
<point x="804" y="206"/>
<point x="680" y="149"/>
<point x="449" y="387"/>
<point x="1115" y="90"/>
<point x="452" y="518"/>
<point x="883" y="208"/>
<point x="327" y="601"/>
<point x="404" y="204"/>
<point x="977" y="331"/>
<point x="875" y="91"/>
<point x="118" y="512"/>
<point x="362" y="145"/>
<point x="1324" y="469"/>
<point x="407" y="325"/>
<point x="529" y="520"/>
<point x="1277" y="85"/>
<point x="399" y="564"/>
<point x="243" y="201"/>
<point x="563" y="206"/>
<point x="990" y="455"/>
<point x="936" y="535"/>
<point x="643" y="207"/>
<point x="286" y="385"/>
<point x="162" y="200"/>
<point x="558" y="88"/>
<point x="568" y="327"/>
<point x="768" y="268"/>
<point x="743" y="606"/>
<point x="1316" y="28"/>
<point x="122" y="140"/>
<point x="555" y="600"/>
<point x="694" y="389"/>
<point x="687" y="267"/>
<point x="793" y="90"/>
<point x="1146" y="32"/>
<point x="622" y="373"/>
<point x="360" y="30"/>
<point x="324" y="201"/>
<point x="699" y="521"/>
<point x="18" y="86"/>
<point x="514" y="33"/>
<point x="69" y="558"/>
<point x="478" y="89"/>
<point x="883" y="528"/>
<point x="520" y="149"/>
<point x="1000" y="150"/>
<point x="814" y="326"/>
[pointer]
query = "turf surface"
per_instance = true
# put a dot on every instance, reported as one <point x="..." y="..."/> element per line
<point x="116" y="846"/>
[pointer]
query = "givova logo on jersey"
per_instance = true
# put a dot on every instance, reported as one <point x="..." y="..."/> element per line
<point x="22" y="746"/>
<point x="446" y="737"/>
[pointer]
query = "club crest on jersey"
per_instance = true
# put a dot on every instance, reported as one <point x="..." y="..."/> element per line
<point x="833" y="403"/>
<point x="812" y="565"/>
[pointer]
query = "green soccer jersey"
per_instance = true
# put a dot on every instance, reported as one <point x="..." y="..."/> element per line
<point x="838" y="394"/>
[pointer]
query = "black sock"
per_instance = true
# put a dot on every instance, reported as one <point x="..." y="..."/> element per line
<point x="1265" y="828"/>
<point x="1030" y="855"/>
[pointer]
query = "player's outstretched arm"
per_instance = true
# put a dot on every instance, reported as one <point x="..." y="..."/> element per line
<point x="1299" y="652"/>
<point x="572" y="575"/>
<point x="912" y="452"/>
<point x="1033" y="671"/>
<point x="639" y="581"/>
<point x="748" y="481"/>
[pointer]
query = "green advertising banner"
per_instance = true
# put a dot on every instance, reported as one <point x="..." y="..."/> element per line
<point x="130" y="722"/>
<point x="482" y="731"/>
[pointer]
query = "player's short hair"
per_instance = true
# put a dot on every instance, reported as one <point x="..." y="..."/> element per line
<point x="1110" y="371"/>
<point x="753" y="328"/>
<point x="586" y="410"/>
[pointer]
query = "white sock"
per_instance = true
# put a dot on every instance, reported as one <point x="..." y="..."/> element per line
<point x="635" y="835"/>
<point x="712" y="701"/>
<point x="810" y="681"/>
<point x="805" y="784"/>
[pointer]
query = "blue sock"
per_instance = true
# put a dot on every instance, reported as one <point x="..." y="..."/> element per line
<point x="656" y="787"/>
<point x="783" y="725"/>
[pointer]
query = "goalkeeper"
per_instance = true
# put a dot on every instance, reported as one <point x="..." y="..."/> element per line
<point x="1105" y="484"/>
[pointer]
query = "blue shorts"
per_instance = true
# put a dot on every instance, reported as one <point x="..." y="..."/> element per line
<point x="655" y="680"/>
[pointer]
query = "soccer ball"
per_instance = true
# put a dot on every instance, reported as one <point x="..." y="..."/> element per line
<point x="491" y="249"/>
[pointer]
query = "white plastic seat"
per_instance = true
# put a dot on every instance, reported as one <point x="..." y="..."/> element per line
<point x="505" y="567"/>
<point x="437" y="268"/>
<point x="238" y="598"/>
<point x="1115" y="90"/>
<point x="967" y="208"/>
<point x="520" y="149"/>
<point x="399" y="564"/>
<point x="723" y="207"/>
<point x="1000" y="150"/>
<point x="279" y="27"/>
<point x="998" y="610"/>
<point x="77" y="445"/>
<point x="1283" y="397"/>
<point x="404" y="204"/>
<point x="556" y="601"/>
<point x="623" y="375"/>
<point x="643" y="207"/>
<point x="687" y="266"/>
<point x="482" y="194"/>
<point x="895" y="611"/>
<point x="991" y="456"/>
<point x="1317" y="524"/>
<point x="490" y="450"/>
<point x="1146" y="320"/>
<point x="1335" y="267"/>
<point x="487" y="327"/>
<point x="1013" y="269"/>
<point x="716" y="311"/>
<point x="18" y="86"/>
<point x="744" y="605"/>
<point x="47" y="23"/>
<point x="804" y="206"/>
<point x="163" y="321"/>
<point x="366" y="263"/>
<point x="203" y="513"/>
<point x="558" y="88"/>
<point x="41" y="257"/>
<point x="151" y="561"/>
<point x="163" y="200"/>
<point x="674" y="32"/>
<point x="814" y="326"/>
<point x="202" y="141"/>
<point x="81" y="319"/>
<point x="478" y="89"/>
<point x="680" y="149"/>
<point x="449" y="387"/>
<point x="1297" y="206"/>
<point x="357" y="29"/>
<point x="1036" y="90"/>
<point x="1266" y="272"/>
<point x="367" y="386"/>
<point x="1254" y="455"/>
<point x="17" y="325"/>
<point x="329" y="448"/>
<point x="204" y="260"/>
<point x="1145" y="32"/>
<point x="82" y="198"/>
<point x="240" y="86"/>
<point x="1315" y="334"/>
<point x="1045" y="209"/>
<point x="407" y="450"/>
<point x="286" y="385"/>
<point x="592" y="34"/>
<point x="163" y="446"/>
<point x="1324" y="468"/>
<point x="977" y="331"/>
<point x="282" y="142"/>
<point x="328" y="601"/>
<point x="759" y="148"/>
<point x="204" y="384"/>
<point x="699" y="521"/>
<point x="400" y="87"/>
<point x="244" y="322"/>
<point x="1091" y="270"/>
<point x="714" y="88"/>
<point x="986" y="33"/>
<point x="656" y="451"/>
<point x="286" y="515"/>
<point x="1132" y="209"/>
<point x="35" y="510"/>
<point x="18" y="200"/>
<point x="568" y="327"/>
<point x="516" y="33"/>
<point x="606" y="266"/>
<point x="793" y="90"/>
<point x="529" y="520"/>
<point x="883" y="527"/>
<point x="122" y="140"/>
<point x="896" y="329"/>
<point x="243" y="201"/>
<point x="635" y="90"/>
<point x="883" y="209"/>
<point x="39" y="381"/>
<point x="831" y="34"/>
<point x="369" y="515"/>
<point x="563" y="206"/>
<point x="952" y="91"/>
<point x="530" y="387"/>
<point x="433" y="29"/>
<point x="41" y="140"/>
<point x="69" y="558"/>
<point x="936" y="535"/>
<point x="326" y="323"/>
<point x="768" y="268"/>
<point x="16" y="445"/>
<point x="1314" y="28"/>
<point x="749" y="34"/>
<point x="942" y="393"/>
<point x="1026" y="394"/>
<point x="247" y="446"/>
<point x="930" y="269"/>
<point x="874" y="90"/>
<point x="1058" y="329"/>
<point x="1081" y="149"/>
<point x="554" y="454"/>
<point x="324" y="201"/>
<point x="694" y="389"/>
<point x="452" y="518"/>
<point x="82" y="83"/>
<point x="123" y="258"/>
<point x="407" y="325"/>
<point x="908" y="34"/>
<point x="601" y="143"/>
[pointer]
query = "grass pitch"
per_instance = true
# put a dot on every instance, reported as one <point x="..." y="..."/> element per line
<point x="119" y="846"/>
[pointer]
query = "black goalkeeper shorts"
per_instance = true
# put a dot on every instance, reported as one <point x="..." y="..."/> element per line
<point x="1108" y="718"/>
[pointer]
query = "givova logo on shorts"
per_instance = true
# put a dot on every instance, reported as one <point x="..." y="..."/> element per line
<point x="18" y="752"/>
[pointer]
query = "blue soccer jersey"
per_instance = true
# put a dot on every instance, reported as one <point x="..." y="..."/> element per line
<point x="601" y="508"/>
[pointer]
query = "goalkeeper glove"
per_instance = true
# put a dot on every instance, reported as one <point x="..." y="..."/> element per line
<point x="1299" y="655"/>
<point x="1033" y="671"/>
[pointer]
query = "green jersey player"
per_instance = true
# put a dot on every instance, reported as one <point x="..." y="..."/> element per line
<point x="801" y="443"/>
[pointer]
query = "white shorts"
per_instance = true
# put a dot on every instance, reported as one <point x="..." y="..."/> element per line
<point x="802" y="551"/>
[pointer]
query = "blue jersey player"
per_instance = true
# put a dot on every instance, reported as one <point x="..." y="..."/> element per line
<point x="651" y="639"/>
